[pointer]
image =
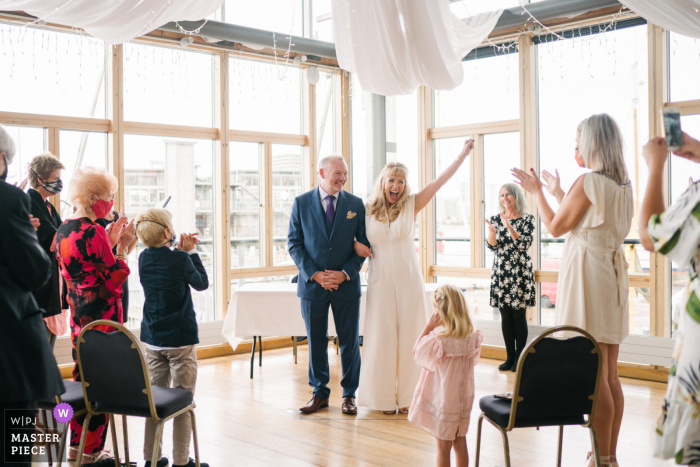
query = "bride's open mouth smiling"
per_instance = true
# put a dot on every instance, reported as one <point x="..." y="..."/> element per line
<point x="393" y="196"/>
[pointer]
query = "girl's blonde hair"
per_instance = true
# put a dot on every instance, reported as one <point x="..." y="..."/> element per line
<point x="150" y="225"/>
<point x="376" y="205"/>
<point x="91" y="181"/>
<point x="454" y="313"/>
<point x="601" y="147"/>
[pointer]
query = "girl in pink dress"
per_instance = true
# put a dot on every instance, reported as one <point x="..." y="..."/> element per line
<point x="444" y="396"/>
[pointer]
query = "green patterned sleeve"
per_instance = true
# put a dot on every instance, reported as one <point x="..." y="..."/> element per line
<point x="676" y="231"/>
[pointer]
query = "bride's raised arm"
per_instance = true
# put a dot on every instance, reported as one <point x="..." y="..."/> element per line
<point x="424" y="196"/>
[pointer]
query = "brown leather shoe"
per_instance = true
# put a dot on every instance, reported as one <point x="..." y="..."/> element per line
<point x="349" y="407"/>
<point x="314" y="404"/>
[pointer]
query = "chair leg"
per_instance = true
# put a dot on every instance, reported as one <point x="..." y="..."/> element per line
<point x="594" y="443"/>
<point x="156" y="443"/>
<point x="294" y="343"/>
<point x="506" y="448"/>
<point x="252" y="357"/>
<point x="260" y="349"/>
<point x="196" y="439"/>
<point x="126" y="441"/>
<point x="559" y="445"/>
<point x="115" y="444"/>
<point x="83" y="435"/>
<point x="62" y="445"/>
<point x="478" y="439"/>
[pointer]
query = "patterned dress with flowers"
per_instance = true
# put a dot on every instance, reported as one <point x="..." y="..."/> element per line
<point x="94" y="278"/>
<point x="676" y="234"/>
<point x="512" y="278"/>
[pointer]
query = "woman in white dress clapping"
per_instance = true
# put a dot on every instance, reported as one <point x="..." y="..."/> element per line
<point x="593" y="284"/>
<point x="396" y="306"/>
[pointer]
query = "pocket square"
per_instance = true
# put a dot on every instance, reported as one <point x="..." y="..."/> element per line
<point x="351" y="214"/>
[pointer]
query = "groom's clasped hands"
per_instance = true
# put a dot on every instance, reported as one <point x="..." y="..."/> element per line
<point x="329" y="280"/>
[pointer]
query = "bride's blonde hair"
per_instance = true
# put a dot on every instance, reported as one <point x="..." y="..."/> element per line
<point x="449" y="302"/>
<point x="376" y="205"/>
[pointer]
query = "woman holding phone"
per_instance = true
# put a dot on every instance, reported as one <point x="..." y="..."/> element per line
<point x="675" y="233"/>
<point x="512" y="278"/>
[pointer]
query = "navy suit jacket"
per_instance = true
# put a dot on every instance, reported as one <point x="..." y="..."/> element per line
<point x="315" y="245"/>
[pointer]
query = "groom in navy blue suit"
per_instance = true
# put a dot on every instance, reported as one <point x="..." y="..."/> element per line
<point x="324" y="224"/>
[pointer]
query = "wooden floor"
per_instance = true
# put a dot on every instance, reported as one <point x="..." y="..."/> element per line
<point x="244" y="422"/>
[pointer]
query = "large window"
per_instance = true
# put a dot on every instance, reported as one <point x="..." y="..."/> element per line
<point x="264" y="97"/>
<point x="488" y="93"/>
<point x="51" y="73"/>
<point x="183" y="169"/>
<point x="611" y="78"/>
<point x="452" y="208"/>
<point x="325" y="116"/>
<point x="286" y="185"/>
<point x="246" y="204"/>
<point x="164" y="85"/>
<point x="29" y="142"/>
<point x="684" y="66"/>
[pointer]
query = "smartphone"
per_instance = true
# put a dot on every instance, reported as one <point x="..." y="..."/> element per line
<point x="672" y="127"/>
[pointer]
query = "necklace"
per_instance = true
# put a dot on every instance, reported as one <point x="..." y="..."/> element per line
<point x="607" y="175"/>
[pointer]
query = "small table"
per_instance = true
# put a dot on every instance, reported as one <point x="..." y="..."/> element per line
<point x="273" y="309"/>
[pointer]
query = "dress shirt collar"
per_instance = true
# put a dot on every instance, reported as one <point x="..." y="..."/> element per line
<point x="323" y="194"/>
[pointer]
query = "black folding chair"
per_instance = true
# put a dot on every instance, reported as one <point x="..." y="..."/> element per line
<point x="556" y="384"/>
<point x="74" y="397"/>
<point x="116" y="380"/>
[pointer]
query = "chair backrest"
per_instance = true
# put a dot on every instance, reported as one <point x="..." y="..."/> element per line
<point x="557" y="377"/>
<point x="295" y="279"/>
<point x="112" y="368"/>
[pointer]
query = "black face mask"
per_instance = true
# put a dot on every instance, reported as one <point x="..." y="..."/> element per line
<point x="52" y="187"/>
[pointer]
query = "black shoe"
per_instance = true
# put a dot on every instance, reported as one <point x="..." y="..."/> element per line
<point x="163" y="462"/>
<point x="514" y="368"/>
<point x="191" y="463"/>
<point x="507" y="365"/>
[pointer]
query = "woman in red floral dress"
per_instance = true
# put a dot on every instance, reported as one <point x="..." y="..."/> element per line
<point x="94" y="277"/>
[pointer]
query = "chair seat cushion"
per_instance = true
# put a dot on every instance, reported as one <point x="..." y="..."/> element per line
<point x="167" y="401"/>
<point x="498" y="410"/>
<point x="73" y="396"/>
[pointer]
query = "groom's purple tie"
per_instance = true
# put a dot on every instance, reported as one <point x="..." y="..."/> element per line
<point x="330" y="210"/>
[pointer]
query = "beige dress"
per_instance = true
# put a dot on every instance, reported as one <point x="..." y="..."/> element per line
<point x="593" y="285"/>
<point x="396" y="313"/>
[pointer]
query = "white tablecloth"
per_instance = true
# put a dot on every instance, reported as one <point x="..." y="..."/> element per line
<point x="274" y="310"/>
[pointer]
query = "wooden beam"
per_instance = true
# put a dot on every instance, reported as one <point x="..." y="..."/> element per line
<point x="263" y="137"/>
<point x="115" y="110"/>
<point x="686" y="107"/>
<point x="342" y="121"/>
<point x="426" y="218"/>
<point x="271" y="271"/>
<point x="266" y="192"/>
<point x="503" y="126"/>
<point x="310" y="161"/>
<point x="53" y="145"/>
<point x="476" y="245"/>
<point x="56" y="121"/>
<point x="452" y="271"/>
<point x="174" y="131"/>
<point x="222" y="186"/>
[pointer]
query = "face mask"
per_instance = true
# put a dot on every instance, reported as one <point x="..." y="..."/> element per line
<point x="53" y="187"/>
<point x="102" y="207"/>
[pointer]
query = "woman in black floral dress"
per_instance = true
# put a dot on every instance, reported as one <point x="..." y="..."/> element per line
<point x="512" y="280"/>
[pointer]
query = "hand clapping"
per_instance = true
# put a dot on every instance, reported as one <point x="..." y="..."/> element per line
<point x="529" y="181"/>
<point x="188" y="241"/>
<point x="552" y="181"/>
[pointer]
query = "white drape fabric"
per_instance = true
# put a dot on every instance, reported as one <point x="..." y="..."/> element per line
<point x="114" y="21"/>
<point x="396" y="46"/>
<point x="680" y="16"/>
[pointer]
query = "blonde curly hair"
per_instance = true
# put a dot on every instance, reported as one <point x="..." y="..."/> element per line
<point x="91" y="181"/>
<point x="377" y="205"/>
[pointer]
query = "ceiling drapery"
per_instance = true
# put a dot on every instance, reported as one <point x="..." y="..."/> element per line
<point x="115" y="21"/>
<point x="396" y="46"/>
<point x="680" y="16"/>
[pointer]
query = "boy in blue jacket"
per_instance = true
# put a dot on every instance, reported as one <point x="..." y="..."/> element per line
<point x="169" y="325"/>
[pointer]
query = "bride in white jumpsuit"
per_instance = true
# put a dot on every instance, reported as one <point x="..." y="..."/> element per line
<point x="397" y="309"/>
